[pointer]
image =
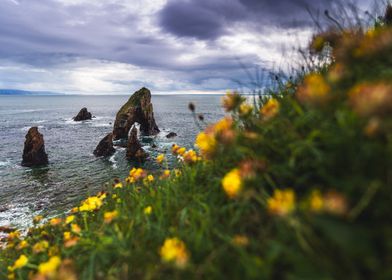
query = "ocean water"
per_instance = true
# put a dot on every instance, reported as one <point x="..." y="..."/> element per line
<point x="73" y="171"/>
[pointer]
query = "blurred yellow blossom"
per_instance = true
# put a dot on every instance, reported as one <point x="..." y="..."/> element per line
<point x="160" y="158"/>
<point x="231" y="101"/>
<point x="118" y="185"/>
<point x="314" y="90"/>
<point x="165" y="174"/>
<point x="190" y="156"/>
<point x="50" y="267"/>
<point x="206" y="143"/>
<point x="148" y="210"/>
<point x="22" y="245"/>
<point x="20" y="262"/>
<point x="110" y="216"/>
<point x="245" y="109"/>
<point x="37" y="219"/>
<point x="282" y="202"/>
<point x="91" y="203"/>
<point x="270" y="109"/>
<point x="316" y="201"/>
<point x="174" y="250"/>
<point x="55" y="221"/>
<point x="40" y="246"/>
<point x="75" y="228"/>
<point x="69" y="219"/>
<point x="240" y="240"/>
<point x="13" y="235"/>
<point x="232" y="183"/>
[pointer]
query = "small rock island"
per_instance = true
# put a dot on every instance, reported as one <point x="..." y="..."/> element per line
<point x="83" y="115"/>
<point x="34" y="153"/>
<point x="138" y="109"/>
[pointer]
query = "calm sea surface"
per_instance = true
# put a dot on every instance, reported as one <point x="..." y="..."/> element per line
<point x="73" y="171"/>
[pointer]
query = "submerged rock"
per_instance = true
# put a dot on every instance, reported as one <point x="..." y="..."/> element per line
<point x="34" y="149"/>
<point x="83" y="115"/>
<point x="138" y="109"/>
<point x="134" y="148"/>
<point x="105" y="147"/>
<point x="171" y="135"/>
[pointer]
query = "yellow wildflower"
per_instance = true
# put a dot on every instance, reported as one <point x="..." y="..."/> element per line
<point x="20" y="262"/>
<point x="316" y="202"/>
<point x="245" y="109"/>
<point x="206" y="143"/>
<point x="160" y="158"/>
<point x="174" y="250"/>
<point x="231" y="101"/>
<point x="137" y="173"/>
<point x="282" y="202"/>
<point x="110" y="216"/>
<point x="335" y="203"/>
<point x="23" y="244"/>
<point x="175" y="148"/>
<point x="75" y="210"/>
<point x="177" y="172"/>
<point x="190" y="156"/>
<point x="150" y="178"/>
<point x="55" y="221"/>
<point x="232" y="183"/>
<point x="165" y="174"/>
<point x="314" y="90"/>
<point x="37" y="219"/>
<point x="90" y="204"/>
<point x="75" y="228"/>
<point x="67" y="235"/>
<point x="50" y="267"/>
<point x="270" y="109"/>
<point x="40" y="246"/>
<point x="148" y="210"/>
<point x="181" y="151"/>
<point x="118" y="185"/>
<point x="240" y="240"/>
<point x="13" y="235"/>
<point x="69" y="219"/>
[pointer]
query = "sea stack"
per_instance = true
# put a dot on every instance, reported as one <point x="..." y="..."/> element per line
<point x="34" y="149"/>
<point x="138" y="109"/>
<point x="105" y="147"/>
<point x="134" y="148"/>
<point x="83" y="115"/>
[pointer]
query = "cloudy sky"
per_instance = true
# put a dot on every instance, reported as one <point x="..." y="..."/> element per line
<point x="118" y="46"/>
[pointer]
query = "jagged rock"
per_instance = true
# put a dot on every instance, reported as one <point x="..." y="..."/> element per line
<point x="83" y="115"/>
<point x="134" y="148"/>
<point x="171" y="135"/>
<point x="34" y="149"/>
<point x="137" y="109"/>
<point x="105" y="147"/>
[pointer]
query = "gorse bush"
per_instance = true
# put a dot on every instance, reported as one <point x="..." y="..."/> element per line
<point x="297" y="187"/>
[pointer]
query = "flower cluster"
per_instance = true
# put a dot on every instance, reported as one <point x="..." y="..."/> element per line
<point x="174" y="251"/>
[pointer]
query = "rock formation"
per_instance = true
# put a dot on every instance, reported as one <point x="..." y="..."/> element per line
<point x="105" y="147"/>
<point x="137" y="109"/>
<point x="134" y="149"/>
<point x="171" y="135"/>
<point x="83" y="115"/>
<point x="34" y="149"/>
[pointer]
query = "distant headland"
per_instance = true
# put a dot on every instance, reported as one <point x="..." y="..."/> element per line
<point x="25" y="92"/>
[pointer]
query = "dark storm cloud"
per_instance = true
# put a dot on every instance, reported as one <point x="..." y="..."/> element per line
<point x="205" y="19"/>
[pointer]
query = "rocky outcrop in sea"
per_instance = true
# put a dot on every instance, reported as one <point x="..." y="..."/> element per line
<point x="105" y="147"/>
<point x="34" y="153"/>
<point x="134" y="148"/>
<point x="138" y="109"/>
<point x="83" y="115"/>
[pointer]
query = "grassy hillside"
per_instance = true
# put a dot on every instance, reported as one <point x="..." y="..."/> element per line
<point x="298" y="187"/>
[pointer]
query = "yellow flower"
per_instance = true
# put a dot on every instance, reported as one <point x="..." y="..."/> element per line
<point x="177" y="172"/>
<point x="118" y="185"/>
<point x="136" y="174"/>
<point x="165" y="174"/>
<point x="110" y="216"/>
<point x="190" y="156"/>
<point x="174" y="250"/>
<point x="175" y="148"/>
<point x="55" y="221"/>
<point x="240" y="240"/>
<point x="37" y="219"/>
<point x="90" y="204"/>
<point x="245" y="109"/>
<point x="206" y="143"/>
<point x="314" y="90"/>
<point x="270" y="109"/>
<point x="231" y="101"/>
<point x="282" y="202"/>
<point x="40" y="246"/>
<point x="160" y="158"/>
<point x="23" y="244"/>
<point x="67" y="235"/>
<point x="50" y="267"/>
<point x="150" y="178"/>
<point x="181" y="151"/>
<point x="232" y="183"/>
<point x="148" y="210"/>
<point x="20" y="262"/>
<point x="13" y="235"/>
<point x="69" y="219"/>
<point x="75" y="228"/>
<point x="316" y="201"/>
